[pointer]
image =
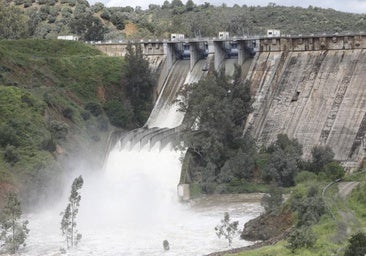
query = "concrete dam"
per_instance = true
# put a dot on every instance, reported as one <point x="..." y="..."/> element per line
<point x="311" y="88"/>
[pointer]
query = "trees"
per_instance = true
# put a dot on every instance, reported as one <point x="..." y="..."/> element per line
<point x="139" y="82"/>
<point x="88" y="27"/>
<point x="357" y="245"/>
<point x="321" y="156"/>
<point x="68" y="222"/>
<point x="215" y="112"/>
<point x="13" y="24"/>
<point x="13" y="232"/>
<point x="227" y="229"/>
<point x="283" y="161"/>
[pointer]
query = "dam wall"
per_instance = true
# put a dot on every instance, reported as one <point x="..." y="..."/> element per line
<point x="317" y="97"/>
<point x="313" y="88"/>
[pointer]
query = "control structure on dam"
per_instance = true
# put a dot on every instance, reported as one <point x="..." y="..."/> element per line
<point x="312" y="88"/>
<point x="192" y="49"/>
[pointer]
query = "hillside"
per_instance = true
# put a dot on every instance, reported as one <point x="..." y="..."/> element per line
<point x="48" y="19"/>
<point x="53" y="96"/>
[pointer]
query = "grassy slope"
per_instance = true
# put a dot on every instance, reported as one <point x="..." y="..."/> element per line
<point x="332" y="236"/>
<point x="40" y="81"/>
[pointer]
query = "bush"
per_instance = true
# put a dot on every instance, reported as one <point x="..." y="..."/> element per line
<point x="309" y="208"/>
<point x="105" y="15"/>
<point x="321" y="156"/>
<point x="116" y="113"/>
<point x="357" y="246"/>
<point x="67" y="113"/>
<point x="334" y="171"/>
<point x="85" y="115"/>
<point x="301" y="237"/>
<point x="94" y="108"/>
<point x="59" y="130"/>
<point x="49" y="145"/>
<point x="8" y="136"/>
<point x="305" y="176"/>
<point x="11" y="154"/>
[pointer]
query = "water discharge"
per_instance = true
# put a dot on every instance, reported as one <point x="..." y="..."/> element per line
<point x="132" y="206"/>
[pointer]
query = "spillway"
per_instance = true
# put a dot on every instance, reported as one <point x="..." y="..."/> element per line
<point x="132" y="206"/>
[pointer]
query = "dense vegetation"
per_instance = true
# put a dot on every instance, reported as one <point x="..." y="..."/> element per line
<point x="48" y="19"/>
<point x="57" y="101"/>
<point x="215" y="112"/>
<point x="221" y="160"/>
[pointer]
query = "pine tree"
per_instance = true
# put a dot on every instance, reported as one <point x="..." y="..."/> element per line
<point x="68" y="222"/>
<point x="13" y="232"/>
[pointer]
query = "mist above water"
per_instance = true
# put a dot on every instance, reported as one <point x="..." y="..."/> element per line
<point x="132" y="206"/>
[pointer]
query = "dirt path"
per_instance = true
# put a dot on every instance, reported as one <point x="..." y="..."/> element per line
<point x="345" y="188"/>
<point x="348" y="221"/>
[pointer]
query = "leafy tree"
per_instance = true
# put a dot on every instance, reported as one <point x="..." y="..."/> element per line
<point x="285" y="155"/>
<point x="321" y="156"/>
<point x="13" y="24"/>
<point x="216" y="109"/>
<point x="139" y="82"/>
<point x="88" y="27"/>
<point x="68" y="222"/>
<point x="334" y="170"/>
<point x="227" y="229"/>
<point x="190" y="5"/>
<point x="13" y="232"/>
<point x="357" y="245"/>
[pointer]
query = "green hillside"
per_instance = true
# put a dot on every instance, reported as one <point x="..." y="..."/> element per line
<point x="48" y="19"/>
<point x="53" y="95"/>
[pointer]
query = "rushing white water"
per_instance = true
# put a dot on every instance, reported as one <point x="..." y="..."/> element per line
<point x="132" y="206"/>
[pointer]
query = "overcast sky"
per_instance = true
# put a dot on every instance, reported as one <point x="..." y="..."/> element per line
<point x="358" y="6"/>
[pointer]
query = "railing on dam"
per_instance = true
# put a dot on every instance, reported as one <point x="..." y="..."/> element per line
<point x="239" y="47"/>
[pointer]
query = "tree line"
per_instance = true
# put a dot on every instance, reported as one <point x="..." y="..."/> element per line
<point x="48" y="19"/>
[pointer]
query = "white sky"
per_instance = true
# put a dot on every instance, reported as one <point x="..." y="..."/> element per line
<point x="357" y="6"/>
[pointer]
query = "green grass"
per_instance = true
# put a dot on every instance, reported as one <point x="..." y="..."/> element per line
<point x="39" y="81"/>
<point x="37" y="48"/>
<point x="329" y="240"/>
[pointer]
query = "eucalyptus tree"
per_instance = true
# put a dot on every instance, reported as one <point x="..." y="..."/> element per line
<point x="68" y="222"/>
<point x="14" y="232"/>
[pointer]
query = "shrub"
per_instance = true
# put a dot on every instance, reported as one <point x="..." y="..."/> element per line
<point x="116" y="113"/>
<point x="357" y="245"/>
<point x="11" y="154"/>
<point x="105" y="15"/>
<point x="49" y="144"/>
<point x="321" y="156"/>
<point x="67" y="113"/>
<point x="85" y="115"/>
<point x="301" y="237"/>
<point x="334" y="170"/>
<point x="305" y="176"/>
<point x="59" y="130"/>
<point x="94" y="108"/>
<point x="309" y="207"/>
<point x="8" y="136"/>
